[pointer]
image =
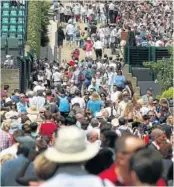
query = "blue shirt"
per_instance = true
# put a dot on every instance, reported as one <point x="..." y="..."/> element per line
<point x="94" y="106"/>
<point x="120" y="80"/>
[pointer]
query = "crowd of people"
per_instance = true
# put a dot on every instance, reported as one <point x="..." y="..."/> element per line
<point x="81" y="123"/>
<point x="147" y="23"/>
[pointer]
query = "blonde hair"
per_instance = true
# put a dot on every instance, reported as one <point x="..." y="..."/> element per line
<point x="6" y="125"/>
<point x="129" y="108"/>
<point x="95" y="96"/>
<point x="170" y="121"/>
<point x="6" y="157"/>
<point x="44" y="168"/>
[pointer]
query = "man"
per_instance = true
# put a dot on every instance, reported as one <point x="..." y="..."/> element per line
<point x="119" y="173"/>
<point x="147" y="95"/>
<point x="22" y="105"/>
<point x="39" y="86"/>
<point x="71" y="151"/>
<point x="145" y="168"/>
<point x="80" y="119"/>
<point x="70" y="32"/>
<point x="39" y="100"/>
<point x="15" y="98"/>
<point x="78" y="99"/>
<point x="48" y="75"/>
<point x="93" y="85"/>
<point x="13" y="149"/>
<point x="48" y="127"/>
<point x="115" y="94"/>
<point x="56" y="78"/>
<point x="75" y="76"/>
<point x="11" y="168"/>
<point x="92" y="136"/>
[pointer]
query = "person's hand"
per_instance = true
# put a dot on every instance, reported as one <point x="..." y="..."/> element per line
<point x="36" y="183"/>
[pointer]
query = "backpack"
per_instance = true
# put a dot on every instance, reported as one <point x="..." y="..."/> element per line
<point x="88" y="76"/>
<point x="64" y="104"/>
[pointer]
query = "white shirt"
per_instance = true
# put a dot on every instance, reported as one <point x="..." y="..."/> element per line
<point x="79" y="100"/>
<point x="109" y="111"/>
<point x="111" y="6"/>
<point x="70" y="29"/>
<point x="56" y="76"/>
<point x="48" y="74"/>
<point x="11" y="150"/>
<point x="115" y="95"/>
<point x="38" y="87"/>
<point x="39" y="102"/>
<point x="98" y="45"/>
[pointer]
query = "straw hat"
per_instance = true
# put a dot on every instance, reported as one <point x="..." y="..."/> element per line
<point x="115" y="122"/>
<point x="71" y="147"/>
<point x="32" y="110"/>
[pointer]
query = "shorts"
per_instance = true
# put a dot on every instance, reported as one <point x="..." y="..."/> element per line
<point x="70" y="37"/>
<point x="88" y="53"/>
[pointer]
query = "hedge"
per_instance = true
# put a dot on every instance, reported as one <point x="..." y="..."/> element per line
<point x="34" y="26"/>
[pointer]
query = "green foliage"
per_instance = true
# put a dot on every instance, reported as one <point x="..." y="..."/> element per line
<point x="163" y="70"/>
<point x="167" y="94"/>
<point x="34" y="25"/>
<point x="44" y="22"/>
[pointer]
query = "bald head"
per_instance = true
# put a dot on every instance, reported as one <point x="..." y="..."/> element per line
<point x="92" y="136"/>
<point x="156" y="133"/>
<point x="128" y="143"/>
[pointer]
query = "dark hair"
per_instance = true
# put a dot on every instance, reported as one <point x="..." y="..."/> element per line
<point x="70" y="121"/>
<point x="33" y="126"/>
<point x="146" y="117"/>
<point x="110" y="138"/>
<point x="26" y="128"/>
<point x="48" y="115"/>
<point x="122" y="121"/>
<point x="147" y="164"/>
<point x="24" y="118"/>
<point x="6" y="87"/>
<point x="17" y="134"/>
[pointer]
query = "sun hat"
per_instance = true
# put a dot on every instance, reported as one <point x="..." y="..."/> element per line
<point x="99" y="115"/>
<point x="11" y="114"/>
<point x="88" y="38"/>
<point x="115" y="122"/>
<point x="71" y="147"/>
<point x="32" y="110"/>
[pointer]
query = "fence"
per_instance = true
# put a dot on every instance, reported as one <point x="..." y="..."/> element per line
<point x="135" y="56"/>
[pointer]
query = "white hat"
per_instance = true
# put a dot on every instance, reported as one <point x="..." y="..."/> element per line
<point x="88" y="38"/>
<point x="115" y="122"/>
<point x="11" y="114"/>
<point x="99" y="115"/>
<point x="71" y="147"/>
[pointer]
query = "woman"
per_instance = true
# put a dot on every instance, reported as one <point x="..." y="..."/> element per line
<point x="170" y="120"/>
<point x="129" y="88"/>
<point x="128" y="112"/>
<point x="60" y="36"/>
<point x="95" y="104"/>
<point x="77" y="34"/>
<point x="88" y="47"/>
<point x="120" y="80"/>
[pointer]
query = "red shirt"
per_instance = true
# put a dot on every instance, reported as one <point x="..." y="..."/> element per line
<point x="71" y="63"/>
<point x="48" y="128"/>
<point x="112" y="176"/>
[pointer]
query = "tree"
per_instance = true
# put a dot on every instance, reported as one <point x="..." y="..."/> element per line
<point x="163" y="70"/>
<point x="44" y="22"/>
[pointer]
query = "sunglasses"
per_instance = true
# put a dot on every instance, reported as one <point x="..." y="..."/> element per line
<point x="41" y="112"/>
<point x="22" y="97"/>
<point x="155" y="103"/>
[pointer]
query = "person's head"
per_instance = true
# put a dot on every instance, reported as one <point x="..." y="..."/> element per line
<point x="16" y="135"/>
<point x="48" y="115"/>
<point x="149" y="92"/>
<point x="33" y="127"/>
<point x="170" y="120"/>
<point x="126" y="146"/>
<point x="119" y="73"/>
<point x="6" y="87"/>
<point x="125" y="95"/>
<point x="26" y="128"/>
<point x="92" y="136"/>
<point x="70" y="121"/>
<point x="146" y="119"/>
<point x="108" y="138"/>
<point x="16" y="92"/>
<point x="6" y="157"/>
<point x="22" y="98"/>
<point x="94" y="122"/>
<point x="95" y="96"/>
<point x="44" y="168"/>
<point x="42" y="112"/>
<point x="145" y="167"/>
<point x="151" y="115"/>
<point x="80" y="117"/>
<point x="164" y="105"/>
